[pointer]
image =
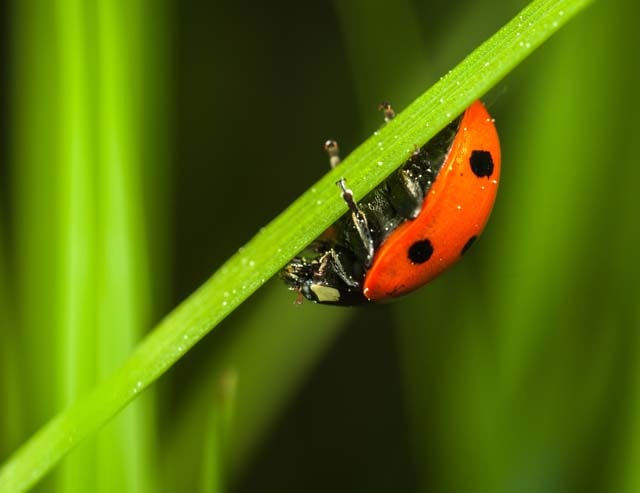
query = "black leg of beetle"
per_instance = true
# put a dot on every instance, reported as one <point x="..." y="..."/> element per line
<point x="331" y="146"/>
<point x="359" y="221"/>
<point x="338" y="268"/>
<point x="407" y="196"/>
<point x="389" y="114"/>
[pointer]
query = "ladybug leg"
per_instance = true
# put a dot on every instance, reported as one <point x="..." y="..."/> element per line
<point x="386" y="108"/>
<point x="332" y="261"/>
<point x="406" y="194"/>
<point x="331" y="146"/>
<point x="359" y="221"/>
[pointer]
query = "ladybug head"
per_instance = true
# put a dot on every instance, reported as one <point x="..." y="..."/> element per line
<point x="323" y="279"/>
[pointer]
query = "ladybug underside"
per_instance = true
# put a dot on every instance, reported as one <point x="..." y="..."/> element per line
<point x="332" y="269"/>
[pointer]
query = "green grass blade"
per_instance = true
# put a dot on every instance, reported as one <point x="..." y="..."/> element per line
<point x="618" y="283"/>
<point x="34" y="104"/>
<point x="270" y="249"/>
<point x="80" y="234"/>
<point x="217" y="430"/>
<point x="74" y="318"/>
<point x="124" y="448"/>
<point x="11" y="422"/>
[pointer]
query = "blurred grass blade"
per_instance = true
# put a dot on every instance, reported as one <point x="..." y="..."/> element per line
<point x="616" y="286"/>
<point x="33" y="108"/>
<point x="270" y="362"/>
<point x="125" y="449"/>
<point x="74" y="319"/>
<point x="84" y="286"/>
<point x="269" y="250"/>
<point x="217" y="431"/>
<point x="11" y="421"/>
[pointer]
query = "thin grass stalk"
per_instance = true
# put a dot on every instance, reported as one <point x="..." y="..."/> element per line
<point x="125" y="447"/>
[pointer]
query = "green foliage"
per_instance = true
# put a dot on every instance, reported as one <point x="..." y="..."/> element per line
<point x="513" y="365"/>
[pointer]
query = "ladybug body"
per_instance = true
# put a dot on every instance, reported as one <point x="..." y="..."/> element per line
<point x="413" y="226"/>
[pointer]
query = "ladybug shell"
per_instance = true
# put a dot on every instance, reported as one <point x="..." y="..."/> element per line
<point x="453" y="213"/>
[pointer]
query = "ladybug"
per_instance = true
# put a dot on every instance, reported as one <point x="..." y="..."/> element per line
<point x="410" y="228"/>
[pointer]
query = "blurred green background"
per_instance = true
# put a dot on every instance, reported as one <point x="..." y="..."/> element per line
<point x="144" y="142"/>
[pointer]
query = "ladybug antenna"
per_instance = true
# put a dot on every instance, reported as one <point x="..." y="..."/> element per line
<point x="331" y="146"/>
<point x="386" y="108"/>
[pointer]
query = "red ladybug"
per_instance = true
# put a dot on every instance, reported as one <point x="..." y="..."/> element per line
<point x="411" y="227"/>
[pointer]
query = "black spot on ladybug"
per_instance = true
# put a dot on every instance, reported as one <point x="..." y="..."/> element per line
<point x="420" y="251"/>
<point x="468" y="244"/>
<point x="481" y="163"/>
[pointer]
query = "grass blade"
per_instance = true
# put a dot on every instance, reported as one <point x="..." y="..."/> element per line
<point x="11" y="422"/>
<point x="125" y="448"/>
